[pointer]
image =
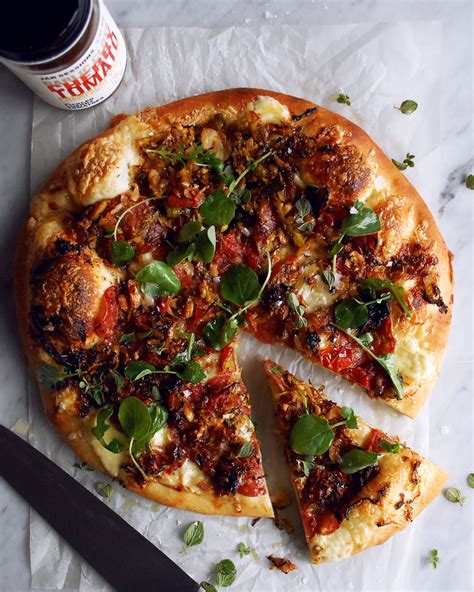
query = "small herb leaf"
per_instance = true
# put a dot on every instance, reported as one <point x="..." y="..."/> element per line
<point x="408" y="107"/>
<point x="104" y="490"/>
<point x="355" y="460"/>
<point x="362" y="222"/>
<point x="348" y="414"/>
<point x="122" y="252"/>
<point x="343" y="99"/>
<point x="453" y="494"/>
<point x="398" y="293"/>
<point x="189" y="231"/>
<point x="134" y="418"/>
<point x="158" y="279"/>
<point x="470" y="181"/>
<point x="218" y="209"/>
<point x="220" y="331"/>
<point x="137" y="370"/>
<point x="245" y="450"/>
<point x="240" y="285"/>
<point x="192" y="372"/>
<point x="243" y="550"/>
<point x="225" y="573"/>
<point x="205" y="244"/>
<point x="179" y="254"/>
<point x="194" y="534"/>
<point x="311" y="435"/>
<point x="434" y="558"/>
<point x="350" y="314"/>
<point x="470" y="480"/>
<point x="207" y="587"/>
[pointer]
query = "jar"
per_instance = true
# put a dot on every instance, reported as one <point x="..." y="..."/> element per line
<point x="69" y="52"/>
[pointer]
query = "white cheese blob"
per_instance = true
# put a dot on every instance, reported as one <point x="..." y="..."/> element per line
<point x="316" y="296"/>
<point x="414" y="362"/>
<point x="270" y="110"/>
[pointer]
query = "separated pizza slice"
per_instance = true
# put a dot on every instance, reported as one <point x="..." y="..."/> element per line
<point x="355" y="485"/>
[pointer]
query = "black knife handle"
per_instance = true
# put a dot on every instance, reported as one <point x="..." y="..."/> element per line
<point x="123" y="557"/>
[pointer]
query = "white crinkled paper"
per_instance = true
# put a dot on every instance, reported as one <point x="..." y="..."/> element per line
<point x="378" y="66"/>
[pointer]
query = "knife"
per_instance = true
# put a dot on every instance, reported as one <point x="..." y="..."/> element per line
<point x="131" y="563"/>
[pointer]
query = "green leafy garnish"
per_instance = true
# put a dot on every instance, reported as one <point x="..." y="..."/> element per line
<point x="122" y="252"/>
<point x="243" y="550"/>
<point x="158" y="279"/>
<point x="194" y="534"/>
<point x="453" y="494"/>
<point x="207" y="587"/>
<point x="189" y="231"/>
<point x="470" y="480"/>
<point x="308" y="463"/>
<point x="197" y="154"/>
<point x="329" y="277"/>
<point x="205" y="244"/>
<point x="298" y="309"/>
<point x="398" y="293"/>
<point x="434" y="558"/>
<point x="470" y="181"/>
<point x="240" y="286"/>
<point x="343" y="99"/>
<point x="277" y="370"/>
<point x="387" y="361"/>
<point x="313" y="435"/>
<point x="408" y="107"/>
<point x="137" y="370"/>
<point x="303" y="208"/>
<point x="50" y="376"/>
<point x="218" y="209"/>
<point x="389" y="446"/>
<point x="101" y="426"/>
<point x="352" y="313"/>
<point x="361" y="221"/>
<point x="245" y="450"/>
<point x="201" y="244"/>
<point x="355" y="460"/>
<point x="127" y="338"/>
<point x="407" y="162"/>
<point x="104" y="490"/>
<point x="225" y="573"/>
<point x="181" y="253"/>
<point x="93" y="388"/>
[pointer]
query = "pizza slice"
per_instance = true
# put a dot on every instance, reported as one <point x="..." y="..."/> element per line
<point x="355" y="485"/>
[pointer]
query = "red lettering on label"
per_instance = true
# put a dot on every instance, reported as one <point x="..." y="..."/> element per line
<point x="94" y="76"/>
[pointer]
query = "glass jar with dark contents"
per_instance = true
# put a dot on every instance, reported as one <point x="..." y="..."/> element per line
<point x="69" y="52"/>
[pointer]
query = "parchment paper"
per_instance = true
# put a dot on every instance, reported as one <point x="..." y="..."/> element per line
<point x="378" y="67"/>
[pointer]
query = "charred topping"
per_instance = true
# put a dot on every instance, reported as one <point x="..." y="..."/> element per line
<point x="305" y="114"/>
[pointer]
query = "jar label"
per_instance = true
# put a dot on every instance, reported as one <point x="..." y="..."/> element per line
<point x="89" y="80"/>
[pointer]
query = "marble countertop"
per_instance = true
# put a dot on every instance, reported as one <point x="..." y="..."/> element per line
<point x="455" y="201"/>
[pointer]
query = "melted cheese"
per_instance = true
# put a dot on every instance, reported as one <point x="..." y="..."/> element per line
<point x="316" y="296"/>
<point x="110" y="461"/>
<point x="187" y="476"/>
<point x="270" y="110"/>
<point x="415" y="363"/>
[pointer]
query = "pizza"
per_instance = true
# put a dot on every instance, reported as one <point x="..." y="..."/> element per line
<point x="155" y="243"/>
<point x="355" y="486"/>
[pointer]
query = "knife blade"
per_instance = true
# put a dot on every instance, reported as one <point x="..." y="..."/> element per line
<point x="130" y="563"/>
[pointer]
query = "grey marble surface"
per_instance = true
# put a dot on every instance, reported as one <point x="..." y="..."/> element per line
<point x="455" y="213"/>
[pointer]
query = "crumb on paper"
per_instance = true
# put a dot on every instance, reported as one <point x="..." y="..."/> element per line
<point x="254" y="521"/>
<point x="283" y="564"/>
<point x="283" y="523"/>
<point x="21" y="427"/>
<point x="281" y="499"/>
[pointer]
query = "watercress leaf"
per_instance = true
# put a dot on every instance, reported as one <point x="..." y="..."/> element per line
<point x="218" y="209"/>
<point x="362" y="223"/>
<point x="329" y="277"/>
<point x="207" y="587"/>
<point x="101" y="426"/>
<point x="350" y="314"/>
<point x="159" y="278"/>
<point x="127" y="338"/>
<point x="137" y="370"/>
<point x="240" y="196"/>
<point x="134" y="418"/>
<point x="308" y="464"/>
<point x="179" y="254"/>
<point x="220" y="331"/>
<point x="189" y="231"/>
<point x="348" y="414"/>
<point x="389" y="446"/>
<point x="104" y="490"/>
<point x="192" y="372"/>
<point x="243" y="550"/>
<point x="225" y="573"/>
<point x="240" y="285"/>
<point x="470" y="480"/>
<point x="122" y="252"/>
<point x="206" y="158"/>
<point x="298" y="309"/>
<point x="205" y="244"/>
<point x="366" y="339"/>
<point x="158" y="416"/>
<point x="245" y="450"/>
<point x="311" y="435"/>
<point x="355" y="460"/>
<point x="408" y="107"/>
<point x="396" y="291"/>
<point x="228" y="175"/>
<point x="277" y="370"/>
<point x="118" y="378"/>
<point x="470" y="181"/>
<point x="453" y="494"/>
<point x="389" y="363"/>
<point x="194" y="534"/>
<point x="50" y="376"/>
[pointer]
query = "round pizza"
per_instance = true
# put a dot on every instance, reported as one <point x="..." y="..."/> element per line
<point x="154" y="244"/>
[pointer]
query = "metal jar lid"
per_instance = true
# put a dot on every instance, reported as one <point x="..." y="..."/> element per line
<point x="36" y="32"/>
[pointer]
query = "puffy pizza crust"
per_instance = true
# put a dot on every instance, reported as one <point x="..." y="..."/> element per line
<point x="103" y="167"/>
<point x="405" y="485"/>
